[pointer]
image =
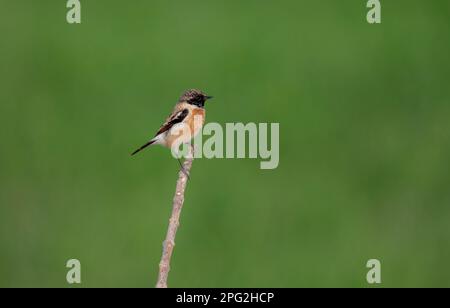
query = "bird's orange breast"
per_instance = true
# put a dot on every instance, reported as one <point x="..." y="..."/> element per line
<point x="194" y="121"/>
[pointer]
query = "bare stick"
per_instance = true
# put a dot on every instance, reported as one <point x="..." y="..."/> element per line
<point x="174" y="221"/>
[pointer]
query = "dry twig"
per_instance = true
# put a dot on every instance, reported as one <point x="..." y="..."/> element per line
<point x="174" y="221"/>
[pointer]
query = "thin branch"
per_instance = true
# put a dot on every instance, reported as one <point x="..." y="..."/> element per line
<point x="174" y="221"/>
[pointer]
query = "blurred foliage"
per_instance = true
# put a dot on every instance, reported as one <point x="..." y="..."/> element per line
<point x="364" y="116"/>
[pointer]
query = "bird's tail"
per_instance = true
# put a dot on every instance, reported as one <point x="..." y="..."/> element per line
<point x="144" y="146"/>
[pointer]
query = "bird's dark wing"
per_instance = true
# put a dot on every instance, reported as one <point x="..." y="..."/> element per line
<point x="174" y="118"/>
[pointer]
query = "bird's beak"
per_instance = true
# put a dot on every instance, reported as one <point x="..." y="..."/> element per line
<point x="209" y="97"/>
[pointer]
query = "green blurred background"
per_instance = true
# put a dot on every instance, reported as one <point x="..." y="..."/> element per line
<point x="364" y="113"/>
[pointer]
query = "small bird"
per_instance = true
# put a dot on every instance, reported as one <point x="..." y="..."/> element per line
<point x="189" y="109"/>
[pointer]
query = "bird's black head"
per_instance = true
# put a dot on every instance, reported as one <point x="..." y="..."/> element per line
<point x="195" y="97"/>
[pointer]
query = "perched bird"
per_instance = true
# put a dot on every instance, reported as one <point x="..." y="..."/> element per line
<point x="189" y="110"/>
